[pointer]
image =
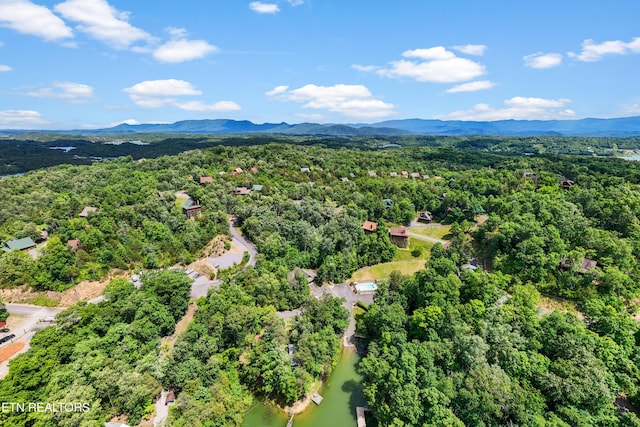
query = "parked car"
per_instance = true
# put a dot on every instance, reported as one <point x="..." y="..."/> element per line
<point x="4" y="330"/>
<point x="7" y="338"/>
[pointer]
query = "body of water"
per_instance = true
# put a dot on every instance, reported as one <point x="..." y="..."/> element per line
<point x="341" y="393"/>
<point x="635" y="157"/>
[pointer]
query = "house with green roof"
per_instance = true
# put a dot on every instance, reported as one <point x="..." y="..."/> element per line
<point x="19" y="244"/>
<point x="257" y="187"/>
<point x="191" y="208"/>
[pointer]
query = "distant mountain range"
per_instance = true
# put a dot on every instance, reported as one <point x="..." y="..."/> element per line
<point x="616" y="127"/>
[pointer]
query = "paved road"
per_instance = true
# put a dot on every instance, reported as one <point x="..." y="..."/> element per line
<point x="242" y="242"/>
<point x="25" y="330"/>
<point x="162" y="411"/>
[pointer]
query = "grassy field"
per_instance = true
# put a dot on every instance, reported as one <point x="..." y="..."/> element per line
<point x="405" y="254"/>
<point x="382" y="271"/>
<point x="437" y="231"/>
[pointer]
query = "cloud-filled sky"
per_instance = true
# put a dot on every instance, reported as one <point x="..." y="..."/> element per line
<point x="96" y="63"/>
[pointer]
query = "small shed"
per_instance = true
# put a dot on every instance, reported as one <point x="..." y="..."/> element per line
<point x="372" y="174"/>
<point x="393" y="174"/>
<point x="305" y="170"/>
<point x="369" y="226"/>
<point x="352" y="175"/>
<point x="236" y="171"/>
<point x="253" y="169"/>
<point x="415" y="175"/>
<point x="404" y="174"/>
<point x="257" y="187"/>
<point x="399" y="236"/>
<point x="344" y="179"/>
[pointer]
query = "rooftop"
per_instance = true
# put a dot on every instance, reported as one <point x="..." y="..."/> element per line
<point x="19" y="244"/>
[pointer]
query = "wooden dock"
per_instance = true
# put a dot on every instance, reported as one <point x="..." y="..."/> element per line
<point x="360" y="410"/>
<point x="316" y="398"/>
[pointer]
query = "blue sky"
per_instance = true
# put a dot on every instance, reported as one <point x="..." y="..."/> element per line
<point x="96" y="63"/>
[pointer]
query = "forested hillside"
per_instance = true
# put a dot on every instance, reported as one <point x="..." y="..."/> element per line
<point x="446" y="346"/>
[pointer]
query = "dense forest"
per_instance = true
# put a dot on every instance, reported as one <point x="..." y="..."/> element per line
<point x="446" y="346"/>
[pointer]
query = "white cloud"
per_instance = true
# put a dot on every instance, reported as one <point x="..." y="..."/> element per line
<point x="592" y="51"/>
<point x="632" y="109"/>
<point x="365" y="68"/>
<point x="348" y="100"/>
<point x="181" y="50"/>
<point x="434" y="65"/>
<point x="542" y="60"/>
<point x="295" y="2"/>
<point x="76" y="93"/>
<point x="169" y="87"/>
<point x="5" y="68"/>
<point x="202" y="107"/>
<point x="161" y="93"/>
<point x="28" y="18"/>
<point x="472" y="86"/>
<point x="103" y="22"/>
<point x="260" y="7"/>
<point x="471" y="49"/>
<point x="277" y="90"/>
<point x="517" y="108"/>
<point x="21" y="119"/>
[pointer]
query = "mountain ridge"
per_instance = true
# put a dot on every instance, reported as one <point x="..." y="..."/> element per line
<point x="588" y="127"/>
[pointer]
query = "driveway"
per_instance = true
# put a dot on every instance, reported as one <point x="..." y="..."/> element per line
<point x="26" y="328"/>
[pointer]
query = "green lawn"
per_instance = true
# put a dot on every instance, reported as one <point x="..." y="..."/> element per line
<point x="437" y="231"/>
<point x="405" y="254"/>
<point x="383" y="271"/>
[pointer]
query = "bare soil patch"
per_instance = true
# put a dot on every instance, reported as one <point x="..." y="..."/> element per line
<point x="83" y="291"/>
<point x="167" y="343"/>
<point x="8" y="351"/>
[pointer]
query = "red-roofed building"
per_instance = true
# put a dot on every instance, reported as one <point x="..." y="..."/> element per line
<point x="399" y="236"/>
<point x="206" y="180"/>
<point x="370" y="226"/>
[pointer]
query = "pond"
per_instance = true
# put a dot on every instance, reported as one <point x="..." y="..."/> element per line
<point x="341" y="393"/>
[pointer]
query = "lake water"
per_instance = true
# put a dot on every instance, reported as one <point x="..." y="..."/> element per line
<point x="635" y="157"/>
<point x="341" y="393"/>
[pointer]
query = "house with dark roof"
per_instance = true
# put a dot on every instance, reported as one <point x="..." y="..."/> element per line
<point x="370" y="226"/>
<point x="19" y="244"/>
<point x="425" y="216"/>
<point x="191" y="208"/>
<point x="399" y="236"/>
<point x="565" y="184"/>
